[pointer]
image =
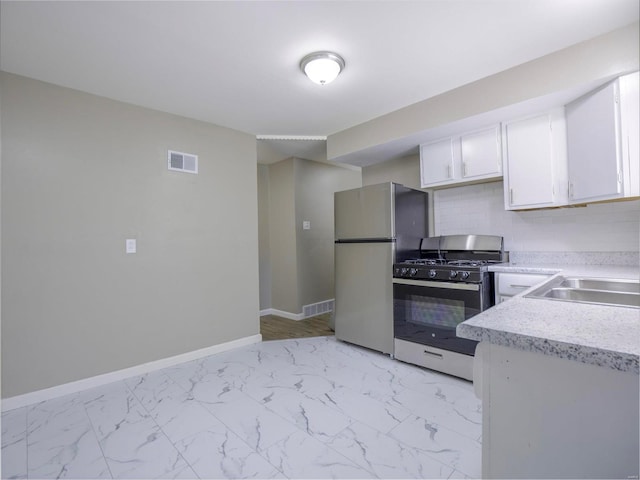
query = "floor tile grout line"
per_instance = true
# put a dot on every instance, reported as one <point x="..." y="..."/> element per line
<point x="425" y="452"/>
<point x="160" y="428"/>
<point x="306" y="431"/>
<point x="384" y="403"/>
<point x="209" y="413"/>
<point x="449" y="429"/>
<point x="200" y="403"/>
<point x="359" y="393"/>
<point x="93" y="429"/>
<point x="342" y="413"/>
<point x="254" y="450"/>
<point x="374" y="475"/>
<point x="26" y="440"/>
<point x="259" y="452"/>
<point x="396" y="380"/>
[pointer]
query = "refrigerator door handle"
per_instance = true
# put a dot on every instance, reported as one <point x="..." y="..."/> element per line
<point x="366" y="240"/>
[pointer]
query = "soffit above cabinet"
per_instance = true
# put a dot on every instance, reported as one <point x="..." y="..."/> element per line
<point x="409" y="145"/>
<point x="541" y="84"/>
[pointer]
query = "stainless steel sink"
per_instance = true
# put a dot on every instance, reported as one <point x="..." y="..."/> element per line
<point x="595" y="296"/>
<point x="602" y="291"/>
<point x="602" y="284"/>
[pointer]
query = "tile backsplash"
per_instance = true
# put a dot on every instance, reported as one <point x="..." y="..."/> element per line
<point x="479" y="209"/>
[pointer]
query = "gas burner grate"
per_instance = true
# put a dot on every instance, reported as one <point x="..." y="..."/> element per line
<point x="468" y="263"/>
<point x="425" y="261"/>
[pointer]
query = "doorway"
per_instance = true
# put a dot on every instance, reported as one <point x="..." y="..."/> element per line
<point x="273" y="327"/>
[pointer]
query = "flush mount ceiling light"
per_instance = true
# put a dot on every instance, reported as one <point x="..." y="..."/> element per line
<point x="322" y="67"/>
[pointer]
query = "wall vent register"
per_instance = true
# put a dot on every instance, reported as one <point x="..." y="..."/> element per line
<point x="182" y="162"/>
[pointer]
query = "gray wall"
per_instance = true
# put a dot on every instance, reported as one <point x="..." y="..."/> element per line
<point x="298" y="268"/>
<point x="282" y="236"/>
<point x="264" y="249"/>
<point x="80" y="174"/>
<point x="315" y="185"/>
<point x="405" y="171"/>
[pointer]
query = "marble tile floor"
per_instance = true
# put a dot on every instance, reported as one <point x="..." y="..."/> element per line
<point x="298" y="408"/>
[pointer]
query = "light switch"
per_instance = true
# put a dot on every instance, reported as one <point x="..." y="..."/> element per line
<point x="306" y="225"/>
<point x="130" y="245"/>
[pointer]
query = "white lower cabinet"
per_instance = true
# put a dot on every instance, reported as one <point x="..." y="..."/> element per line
<point x="549" y="417"/>
<point x="535" y="161"/>
<point x="508" y="285"/>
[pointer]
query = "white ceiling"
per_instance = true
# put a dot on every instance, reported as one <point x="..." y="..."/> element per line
<point x="235" y="63"/>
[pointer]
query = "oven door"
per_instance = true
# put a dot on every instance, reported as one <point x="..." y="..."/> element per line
<point x="428" y="312"/>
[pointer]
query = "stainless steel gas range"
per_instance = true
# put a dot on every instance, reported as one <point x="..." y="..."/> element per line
<point x="432" y="294"/>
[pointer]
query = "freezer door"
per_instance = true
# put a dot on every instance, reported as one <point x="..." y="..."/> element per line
<point x="364" y="294"/>
<point x="365" y="212"/>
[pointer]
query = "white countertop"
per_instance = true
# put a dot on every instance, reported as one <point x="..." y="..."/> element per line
<point x="601" y="335"/>
<point x="604" y="271"/>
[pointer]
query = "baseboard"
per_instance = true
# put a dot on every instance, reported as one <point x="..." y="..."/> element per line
<point x="282" y="313"/>
<point x="91" y="382"/>
<point x="310" y="310"/>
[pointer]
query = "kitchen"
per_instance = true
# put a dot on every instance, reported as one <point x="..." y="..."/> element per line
<point x="112" y="191"/>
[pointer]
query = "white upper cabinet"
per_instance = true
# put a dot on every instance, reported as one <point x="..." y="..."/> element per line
<point x="464" y="158"/>
<point x="481" y="154"/>
<point x="535" y="161"/>
<point x="437" y="162"/>
<point x="587" y="151"/>
<point x="602" y="142"/>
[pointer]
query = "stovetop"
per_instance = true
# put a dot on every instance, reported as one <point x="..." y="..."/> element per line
<point x="453" y="258"/>
<point x="468" y="263"/>
<point x="469" y="271"/>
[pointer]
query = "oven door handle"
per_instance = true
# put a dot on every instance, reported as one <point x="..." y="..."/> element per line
<point x="433" y="354"/>
<point x="446" y="285"/>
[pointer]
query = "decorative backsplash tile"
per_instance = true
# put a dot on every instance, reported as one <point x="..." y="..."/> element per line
<point x="479" y="209"/>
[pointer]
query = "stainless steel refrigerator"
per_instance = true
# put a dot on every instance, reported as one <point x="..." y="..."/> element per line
<point x="375" y="226"/>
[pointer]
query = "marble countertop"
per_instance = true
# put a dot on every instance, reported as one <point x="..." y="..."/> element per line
<point x="604" y="271"/>
<point x="600" y="335"/>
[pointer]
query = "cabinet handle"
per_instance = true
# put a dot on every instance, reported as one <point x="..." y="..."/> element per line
<point x="433" y="354"/>
<point x="448" y="171"/>
<point x="519" y="286"/>
<point x="464" y="169"/>
<point x="511" y="196"/>
<point x="571" y="190"/>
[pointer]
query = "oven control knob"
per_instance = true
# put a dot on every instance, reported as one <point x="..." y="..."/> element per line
<point x="453" y="274"/>
<point x="404" y="271"/>
<point x="432" y="274"/>
<point x="413" y="272"/>
<point x="464" y="275"/>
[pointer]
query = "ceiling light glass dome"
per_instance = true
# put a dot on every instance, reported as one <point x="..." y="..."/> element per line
<point x="322" y="67"/>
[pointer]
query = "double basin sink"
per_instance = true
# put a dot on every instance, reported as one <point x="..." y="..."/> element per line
<point x="602" y="291"/>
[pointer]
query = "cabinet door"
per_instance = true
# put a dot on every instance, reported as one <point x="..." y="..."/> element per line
<point x="529" y="158"/>
<point x="437" y="162"/>
<point x="481" y="153"/>
<point x="630" y="129"/>
<point x="593" y="145"/>
<point x="510" y="284"/>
